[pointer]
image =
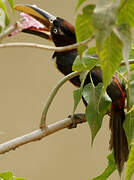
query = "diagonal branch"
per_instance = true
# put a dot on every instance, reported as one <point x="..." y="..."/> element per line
<point x="52" y="95"/>
<point x="39" y="134"/>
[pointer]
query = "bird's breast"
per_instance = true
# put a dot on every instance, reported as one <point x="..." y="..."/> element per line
<point x="64" y="63"/>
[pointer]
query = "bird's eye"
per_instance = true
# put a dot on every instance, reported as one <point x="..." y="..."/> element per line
<point x="55" y="31"/>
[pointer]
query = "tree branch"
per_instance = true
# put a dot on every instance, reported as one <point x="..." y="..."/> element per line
<point x="39" y="134"/>
<point x="52" y="95"/>
<point x="131" y="61"/>
<point x="41" y="46"/>
<point x="7" y="32"/>
<point x="51" y="48"/>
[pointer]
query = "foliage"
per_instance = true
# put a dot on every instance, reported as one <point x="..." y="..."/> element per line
<point x="86" y="63"/>
<point x="80" y="2"/>
<point x="130" y="164"/>
<point x="98" y="106"/>
<point x="4" y="18"/>
<point x="111" y="21"/>
<point x="84" y="23"/>
<point x="9" y="176"/>
<point x="109" y="169"/>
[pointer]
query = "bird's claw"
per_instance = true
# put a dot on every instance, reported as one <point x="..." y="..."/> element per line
<point x="74" y="123"/>
<point x="76" y="118"/>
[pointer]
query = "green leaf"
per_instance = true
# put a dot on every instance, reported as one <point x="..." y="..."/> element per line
<point x="6" y="175"/>
<point x="132" y="75"/>
<point x="104" y="19"/>
<point x="83" y="25"/>
<point x="80" y="2"/>
<point x="109" y="170"/>
<point x="132" y="92"/>
<point x="3" y="7"/>
<point x="129" y="121"/>
<point x="111" y="56"/>
<point x="131" y="53"/>
<point x="86" y="62"/>
<point x="2" y="20"/>
<point x="129" y="126"/>
<point x="124" y="33"/>
<point x="130" y="164"/>
<point x="77" y="95"/>
<point x="98" y="106"/>
<point x="126" y="14"/>
<point x="92" y="50"/>
<point x="9" y="176"/>
<point x="11" y="2"/>
<point x="132" y="109"/>
<point x="123" y="70"/>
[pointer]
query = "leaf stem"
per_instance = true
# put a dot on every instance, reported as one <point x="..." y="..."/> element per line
<point x="121" y="75"/>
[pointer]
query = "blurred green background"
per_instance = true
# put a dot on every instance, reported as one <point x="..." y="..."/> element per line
<point x="26" y="78"/>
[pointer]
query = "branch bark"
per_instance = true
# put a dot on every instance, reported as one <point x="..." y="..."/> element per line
<point x="131" y="61"/>
<point x="8" y="31"/>
<point x="39" y="133"/>
<point x="51" y="48"/>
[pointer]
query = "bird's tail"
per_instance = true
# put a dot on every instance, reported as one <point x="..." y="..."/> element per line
<point x="118" y="141"/>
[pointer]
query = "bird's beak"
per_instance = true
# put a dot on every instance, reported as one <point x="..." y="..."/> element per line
<point x="43" y="19"/>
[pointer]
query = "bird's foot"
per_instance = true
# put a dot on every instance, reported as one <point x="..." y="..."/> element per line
<point x="76" y="119"/>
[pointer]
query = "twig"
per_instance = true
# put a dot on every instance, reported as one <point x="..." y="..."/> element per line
<point x="52" y="95"/>
<point x="8" y="31"/>
<point x="51" y="48"/>
<point x="131" y="61"/>
<point x="123" y="77"/>
<point x="39" y="134"/>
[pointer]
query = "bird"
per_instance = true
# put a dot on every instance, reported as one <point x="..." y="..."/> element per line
<point x="62" y="33"/>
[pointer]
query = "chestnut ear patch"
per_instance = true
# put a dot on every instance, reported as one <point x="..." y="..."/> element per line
<point x="70" y="26"/>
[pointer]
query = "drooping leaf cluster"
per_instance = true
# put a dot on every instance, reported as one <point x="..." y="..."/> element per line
<point x="111" y="21"/>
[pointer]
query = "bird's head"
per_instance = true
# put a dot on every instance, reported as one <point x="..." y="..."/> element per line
<point x="53" y="28"/>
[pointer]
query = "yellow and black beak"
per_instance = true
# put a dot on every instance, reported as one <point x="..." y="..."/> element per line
<point x="41" y="16"/>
